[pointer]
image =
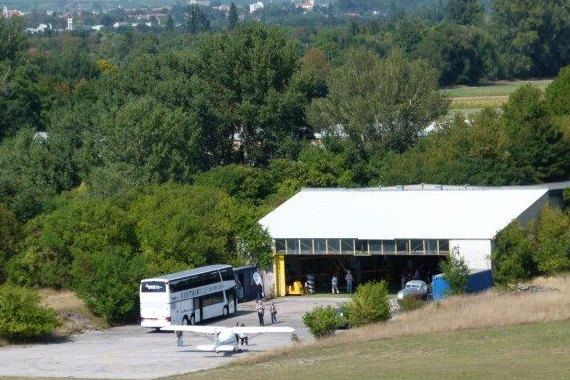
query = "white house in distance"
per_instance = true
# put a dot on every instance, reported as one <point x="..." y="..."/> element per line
<point x="383" y="233"/>
<point x="255" y="6"/>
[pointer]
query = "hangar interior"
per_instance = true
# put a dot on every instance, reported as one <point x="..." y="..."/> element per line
<point x="390" y="268"/>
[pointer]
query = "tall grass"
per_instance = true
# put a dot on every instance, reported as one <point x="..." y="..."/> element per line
<point x="491" y="309"/>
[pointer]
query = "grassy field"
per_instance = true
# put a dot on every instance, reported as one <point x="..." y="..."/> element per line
<point x="533" y="351"/>
<point x="493" y="89"/>
<point x="469" y="100"/>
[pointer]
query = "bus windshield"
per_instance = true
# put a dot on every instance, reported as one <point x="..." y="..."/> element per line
<point x="153" y="287"/>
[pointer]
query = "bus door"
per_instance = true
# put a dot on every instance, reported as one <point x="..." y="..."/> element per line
<point x="231" y="300"/>
<point x="240" y="287"/>
<point x="198" y="309"/>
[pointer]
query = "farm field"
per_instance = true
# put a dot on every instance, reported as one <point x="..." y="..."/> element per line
<point x="471" y="99"/>
<point x="532" y="351"/>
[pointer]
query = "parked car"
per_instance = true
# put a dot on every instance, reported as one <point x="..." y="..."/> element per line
<point x="414" y="288"/>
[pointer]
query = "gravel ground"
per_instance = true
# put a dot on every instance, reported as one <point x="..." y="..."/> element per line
<point x="133" y="352"/>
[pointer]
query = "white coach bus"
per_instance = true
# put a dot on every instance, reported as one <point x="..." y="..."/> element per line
<point x="188" y="297"/>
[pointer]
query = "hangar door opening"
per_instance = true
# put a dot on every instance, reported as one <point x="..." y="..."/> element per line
<point x="394" y="269"/>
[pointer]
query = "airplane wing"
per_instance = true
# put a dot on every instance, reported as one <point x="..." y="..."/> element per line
<point x="235" y="329"/>
<point x="261" y="329"/>
<point x="198" y="329"/>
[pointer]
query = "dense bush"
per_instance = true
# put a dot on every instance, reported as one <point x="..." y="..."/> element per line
<point x="539" y="248"/>
<point x="9" y="235"/>
<point x="21" y="315"/>
<point x="512" y="257"/>
<point x="455" y="272"/>
<point x="323" y="321"/>
<point x="369" y="304"/>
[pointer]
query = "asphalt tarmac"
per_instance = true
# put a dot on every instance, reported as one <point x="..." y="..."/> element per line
<point x="133" y="352"/>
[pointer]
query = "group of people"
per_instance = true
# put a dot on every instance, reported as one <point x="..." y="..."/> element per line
<point x="348" y="278"/>
<point x="261" y="312"/>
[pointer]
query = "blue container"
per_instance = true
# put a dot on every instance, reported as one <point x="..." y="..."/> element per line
<point x="478" y="280"/>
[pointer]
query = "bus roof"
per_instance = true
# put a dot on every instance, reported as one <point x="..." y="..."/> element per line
<point x="189" y="272"/>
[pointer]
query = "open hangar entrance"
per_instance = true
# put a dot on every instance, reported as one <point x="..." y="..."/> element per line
<point x="394" y="261"/>
<point x="390" y="268"/>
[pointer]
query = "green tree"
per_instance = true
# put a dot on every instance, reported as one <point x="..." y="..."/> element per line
<point x="242" y="182"/>
<point x="9" y="237"/>
<point x="78" y="226"/>
<point x="368" y="305"/>
<point x="262" y="98"/>
<point x="456" y="153"/>
<point x="464" y="12"/>
<point x="189" y="226"/>
<point x="553" y="241"/>
<point x="512" y="256"/>
<point x="232" y="17"/>
<point x="34" y="168"/>
<point x="169" y="25"/>
<point x="21" y="99"/>
<point x="533" y="36"/>
<point x="455" y="272"/>
<point x="13" y="39"/>
<point x="379" y="105"/>
<point x="535" y="144"/>
<point x="108" y="283"/>
<point x="557" y="99"/>
<point x="197" y="20"/>
<point x="462" y="54"/>
<point x="158" y="143"/>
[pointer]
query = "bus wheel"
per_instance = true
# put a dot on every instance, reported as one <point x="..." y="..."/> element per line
<point x="185" y="321"/>
<point x="192" y="321"/>
<point x="226" y="311"/>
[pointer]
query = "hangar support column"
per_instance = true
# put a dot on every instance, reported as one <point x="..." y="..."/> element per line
<point x="279" y="270"/>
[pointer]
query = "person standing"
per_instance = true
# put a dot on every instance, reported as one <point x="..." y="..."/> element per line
<point x="179" y="338"/>
<point x="334" y="284"/>
<point x="260" y="312"/>
<point x="273" y="311"/>
<point x="348" y="279"/>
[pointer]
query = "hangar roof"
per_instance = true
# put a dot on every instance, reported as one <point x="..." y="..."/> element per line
<point x="431" y="212"/>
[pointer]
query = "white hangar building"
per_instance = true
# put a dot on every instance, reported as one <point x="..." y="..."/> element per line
<point x="379" y="233"/>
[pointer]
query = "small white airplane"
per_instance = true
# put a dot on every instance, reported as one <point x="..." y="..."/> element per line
<point x="225" y="339"/>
